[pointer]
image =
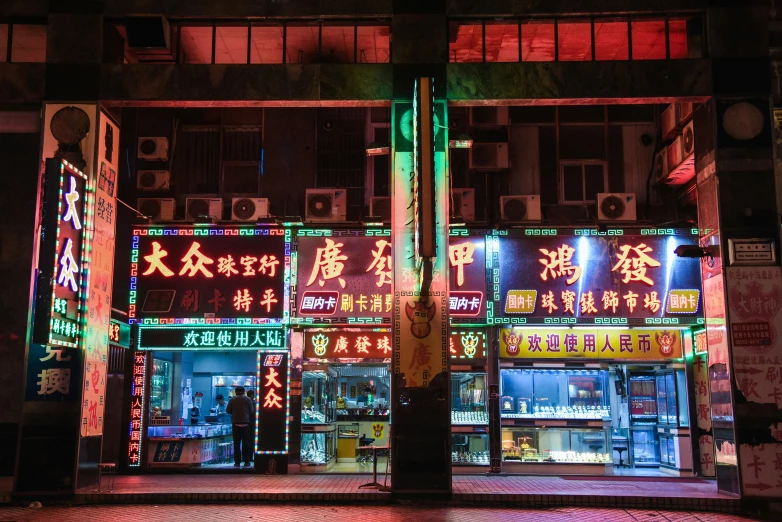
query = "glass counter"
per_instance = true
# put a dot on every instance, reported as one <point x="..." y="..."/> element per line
<point x="646" y="449"/>
<point x="560" y="445"/>
<point x="468" y="399"/>
<point x="189" y="432"/>
<point x="470" y="449"/>
<point x="160" y="387"/>
<point x="318" y="447"/>
<point x="315" y="398"/>
<point x="554" y="394"/>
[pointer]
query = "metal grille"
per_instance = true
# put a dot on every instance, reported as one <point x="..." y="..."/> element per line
<point x="342" y="153"/>
<point x="116" y="360"/>
<point x="196" y="165"/>
<point x="242" y="143"/>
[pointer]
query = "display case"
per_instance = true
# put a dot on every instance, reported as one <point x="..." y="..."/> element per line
<point x="189" y="432"/>
<point x="667" y="450"/>
<point x="226" y="385"/>
<point x="556" y="445"/>
<point x="468" y="399"/>
<point x="470" y="449"/>
<point x="348" y="430"/>
<point x="554" y="394"/>
<point x="672" y="407"/>
<point x="318" y="446"/>
<point x="646" y="449"/>
<point x="643" y="399"/>
<point x="316" y="398"/>
<point x="160" y="387"/>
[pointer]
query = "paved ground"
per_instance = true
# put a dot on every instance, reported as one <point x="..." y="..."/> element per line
<point x="312" y="513"/>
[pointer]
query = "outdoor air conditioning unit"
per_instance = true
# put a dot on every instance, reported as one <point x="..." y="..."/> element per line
<point x="669" y="122"/>
<point x="489" y="156"/>
<point x="675" y="153"/>
<point x="683" y="113"/>
<point x="463" y="204"/>
<point x="249" y="209"/>
<point x="520" y="208"/>
<point x="153" y="180"/>
<point x="683" y="170"/>
<point x="326" y="205"/>
<point x="159" y="209"/>
<point x="488" y="116"/>
<point x="199" y="208"/>
<point x="380" y="207"/>
<point x="661" y="168"/>
<point x="688" y="140"/>
<point x="153" y="149"/>
<point x="616" y="207"/>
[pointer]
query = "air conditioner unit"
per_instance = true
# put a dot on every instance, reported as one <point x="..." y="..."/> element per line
<point x="153" y="148"/>
<point x="661" y="168"/>
<point x="463" y="204"/>
<point x="688" y="140"/>
<point x="249" y="209"/>
<point x="675" y="153"/>
<point x="326" y="205"/>
<point x="489" y="156"/>
<point x="199" y="208"/>
<point x="683" y="113"/>
<point x="668" y="122"/>
<point x="488" y="116"/>
<point x="159" y="209"/>
<point x="520" y="208"/>
<point x="616" y="207"/>
<point x="380" y="207"/>
<point x="152" y="180"/>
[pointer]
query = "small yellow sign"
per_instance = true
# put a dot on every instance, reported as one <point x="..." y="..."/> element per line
<point x="683" y="301"/>
<point x="521" y="301"/>
<point x="590" y="343"/>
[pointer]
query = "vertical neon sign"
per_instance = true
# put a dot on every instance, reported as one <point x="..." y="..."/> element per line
<point x="137" y="399"/>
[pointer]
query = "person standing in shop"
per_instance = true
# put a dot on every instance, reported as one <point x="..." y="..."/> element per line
<point x="240" y="407"/>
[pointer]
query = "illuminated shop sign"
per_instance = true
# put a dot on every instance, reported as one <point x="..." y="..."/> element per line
<point x="272" y="403"/>
<point x="212" y="273"/>
<point x="119" y="333"/>
<point x="467" y="260"/>
<point x="53" y="373"/>
<point x="467" y="344"/>
<point x="589" y="343"/>
<point x="214" y="337"/>
<point x="594" y="279"/>
<point x="137" y="408"/>
<point x="70" y="265"/>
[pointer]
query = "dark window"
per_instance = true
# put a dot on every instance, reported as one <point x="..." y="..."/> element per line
<point x="648" y="40"/>
<point x="502" y="41"/>
<point x="3" y="42"/>
<point x="266" y="44"/>
<point x="537" y="41"/>
<point x="611" y="40"/>
<point x="28" y="43"/>
<point x="574" y="41"/>
<point x="580" y="142"/>
<point x="677" y="39"/>
<point x="582" y="181"/>
<point x="466" y="42"/>
<point x="195" y="44"/>
<point x="231" y="44"/>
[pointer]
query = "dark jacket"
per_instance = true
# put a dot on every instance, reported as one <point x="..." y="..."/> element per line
<point x="241" y="409"/>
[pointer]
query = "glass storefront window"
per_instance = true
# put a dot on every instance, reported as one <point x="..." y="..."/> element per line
<point x="568" y="445"/>
<point x="469" y="449"/>
<point x="160" y="396"/>
<point x="315" y="398"/>
<point x="468" y="399"/>
<point x="554" y="394"/>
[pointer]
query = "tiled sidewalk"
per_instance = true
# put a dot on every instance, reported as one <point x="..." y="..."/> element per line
<point x="522" y="491"/>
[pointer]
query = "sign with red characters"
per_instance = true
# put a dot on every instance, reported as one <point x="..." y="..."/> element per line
<point x="370" y="344"/>
<point x="273" y="402"/>
<point x="137" y="408"/>
<point x="216" y="273"/>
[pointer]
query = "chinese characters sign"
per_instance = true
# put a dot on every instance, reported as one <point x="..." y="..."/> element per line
<point x="273" y="402"/>
<point x="53" y="373"/>
<point x="137" y="408"/>
<point x="344" y="277"/>
<point x="545" y="343"/>
<point x="467" y="263"/>
<point x="178" y="337"/>
<point x="69" y="263"/>
<point x="593" y="278"/>
<point x="216" y="273"/>
<point x="347" y="344"/>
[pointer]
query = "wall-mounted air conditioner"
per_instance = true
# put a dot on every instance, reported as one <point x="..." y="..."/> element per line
<point x="669" y="122"/>
<point x="158" y="209"/>
<point x="683" y="113"/>
<point x="249" y="209"/>
<point x="380" y="207"/>
<point x="326" y="205"/>
<point x="520" y="208"/>
<point x="153" y="148"/>
<point x="153" y="180"/>
<point x="463" y="204"/>
<point x="661" y="168"/>
<point x="616" y="207"/>
<point x="489" y="156"/>
<point x="688" y="140"/>
<point x="203" y="208"/>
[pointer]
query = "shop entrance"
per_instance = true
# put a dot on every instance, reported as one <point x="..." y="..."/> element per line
<point x="345" y="410"/>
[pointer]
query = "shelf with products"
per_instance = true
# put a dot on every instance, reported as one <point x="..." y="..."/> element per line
<point x="556" y="445"/>
<point x="160" y="385"/>
<point x="469" y="449"/>
<point x="554" y="394"/>
<point x="646" y="449"/>
<point x="316" y="398"/>
<point x="348" y="431"/>
<point x="318" y="445"/>
<point x="468" y="403"/>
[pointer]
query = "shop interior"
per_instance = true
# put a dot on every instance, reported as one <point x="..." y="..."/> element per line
<point x="185" y="407"/>
<point x="469" y="420"/>
<point x="603" y="419"/>
<point x="345" y="408"/>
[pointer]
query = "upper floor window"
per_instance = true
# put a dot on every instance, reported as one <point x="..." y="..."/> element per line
<point x="574" y="39"/>
<point x="22" y="42"/>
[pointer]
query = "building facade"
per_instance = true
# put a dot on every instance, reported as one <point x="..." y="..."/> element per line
<point x="232" y="179"/>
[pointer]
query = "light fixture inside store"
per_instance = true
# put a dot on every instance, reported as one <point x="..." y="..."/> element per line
<point x="373" y="221"/>
<point x="460" y="141"/>
<point x="377" y="148"/>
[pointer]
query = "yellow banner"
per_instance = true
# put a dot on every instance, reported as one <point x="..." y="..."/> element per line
<point x="589" y="343"/>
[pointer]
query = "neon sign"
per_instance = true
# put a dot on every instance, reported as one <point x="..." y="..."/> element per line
<point x="595" y="279"/>
<point x="467" y="259"/>
<point x="137" y="408"/>
<point x="219" y="274"/>
<point x="210" y="337"/>
<point x="273" y="405"/>
<point x="347" y="344"/>
<point x="467" y="344"/>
